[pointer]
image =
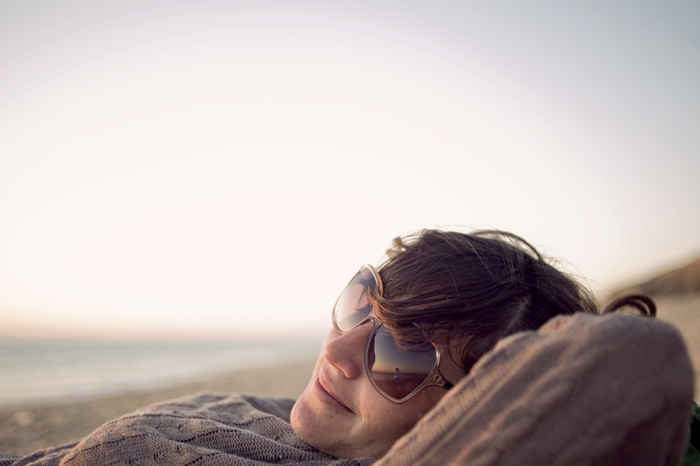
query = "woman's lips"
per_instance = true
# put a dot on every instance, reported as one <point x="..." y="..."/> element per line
<point x="326" y="396"/>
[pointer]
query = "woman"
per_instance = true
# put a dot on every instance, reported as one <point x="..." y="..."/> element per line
<point x="444" y="296"/>
<point x="404" y="336"/>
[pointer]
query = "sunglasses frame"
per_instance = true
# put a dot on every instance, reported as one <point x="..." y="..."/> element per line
<point x="433" y="379"/>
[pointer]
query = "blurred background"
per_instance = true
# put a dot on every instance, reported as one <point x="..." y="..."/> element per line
<point x="209" y="168"/>
<point x="218" y="170"/>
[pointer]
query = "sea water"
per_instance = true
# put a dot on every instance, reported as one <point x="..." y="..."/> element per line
<point x="39" y="371"/>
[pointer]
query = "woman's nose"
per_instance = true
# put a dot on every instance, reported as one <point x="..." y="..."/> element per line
<point x="347" y="352"/>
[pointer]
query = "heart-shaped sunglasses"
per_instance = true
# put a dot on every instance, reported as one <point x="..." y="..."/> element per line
<point x="397" y="372"/>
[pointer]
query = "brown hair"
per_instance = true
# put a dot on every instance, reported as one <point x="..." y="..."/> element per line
<point x="476" y="288"/>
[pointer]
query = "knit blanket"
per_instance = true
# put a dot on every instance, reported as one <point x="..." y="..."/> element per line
<point x="202" y="429"/>
<point x="582" y="390"/>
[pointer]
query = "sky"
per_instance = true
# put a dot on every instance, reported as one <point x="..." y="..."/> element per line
<point x="221" y="169"/>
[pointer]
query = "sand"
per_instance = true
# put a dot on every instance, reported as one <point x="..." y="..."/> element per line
<point x="683" y="311"/>
<point x="27" y="429"/>
<point x="30" y="428"/>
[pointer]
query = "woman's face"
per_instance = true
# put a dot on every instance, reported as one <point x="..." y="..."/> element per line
<point x="342" y="414"/>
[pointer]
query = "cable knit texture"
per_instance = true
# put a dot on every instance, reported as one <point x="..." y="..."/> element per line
<point x="584" y="390"/>
<point x="202" y="429"/>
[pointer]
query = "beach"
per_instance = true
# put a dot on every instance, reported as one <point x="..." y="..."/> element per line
<point x="29" y="428"/>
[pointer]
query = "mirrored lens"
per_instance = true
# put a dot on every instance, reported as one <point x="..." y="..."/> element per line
<point x="353" y="306"/>
<point x="399" y="371"/>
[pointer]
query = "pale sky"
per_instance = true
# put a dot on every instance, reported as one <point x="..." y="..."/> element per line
<point x="222" y="168"/>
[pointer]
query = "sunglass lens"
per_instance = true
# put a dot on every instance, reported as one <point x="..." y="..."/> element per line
<point x="353" y="306"/>
<point x="397" y="371"/>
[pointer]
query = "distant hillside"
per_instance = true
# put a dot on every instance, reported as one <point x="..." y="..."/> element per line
<point x="680" y="281"/>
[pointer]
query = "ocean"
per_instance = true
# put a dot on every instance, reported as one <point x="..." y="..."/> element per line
<point x="40" y="371"/>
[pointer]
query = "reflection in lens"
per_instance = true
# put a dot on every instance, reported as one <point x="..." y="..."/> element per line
<point x="353" y="306"/>
<point x="397" y="371"/>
